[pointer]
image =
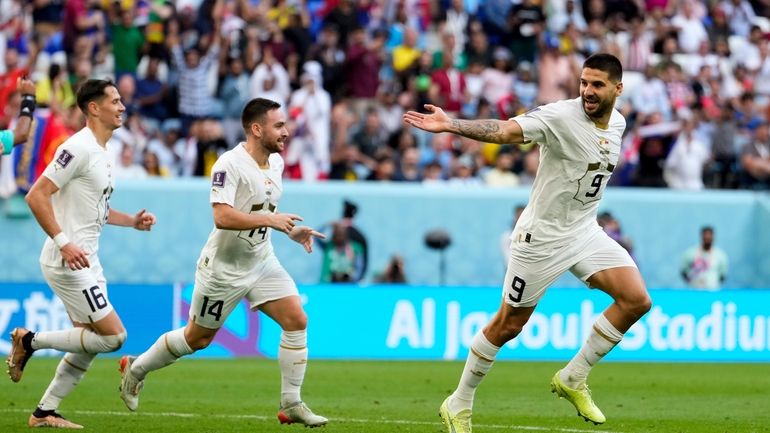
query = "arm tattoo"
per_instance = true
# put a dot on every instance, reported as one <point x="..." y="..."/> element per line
<point x="482" y="130"/>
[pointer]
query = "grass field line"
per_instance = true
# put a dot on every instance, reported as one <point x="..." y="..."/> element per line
<point x="342" y="420"/>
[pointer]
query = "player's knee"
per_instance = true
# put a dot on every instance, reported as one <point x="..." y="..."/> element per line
<point x="199" y="343"/>
<point x="112" y="343"/>
<point x="637" y="306"/>
<point x="296" y="322"/>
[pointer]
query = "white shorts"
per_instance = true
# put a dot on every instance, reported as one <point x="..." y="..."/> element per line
<point x="532" y="267"/>
<point x="212" y="302"/>
<point x="83" y="292"/>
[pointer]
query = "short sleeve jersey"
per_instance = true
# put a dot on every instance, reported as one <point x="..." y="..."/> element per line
<point x="576" y="161"/>
<point x="82" y="171"/>
<point x="238" y="181"/>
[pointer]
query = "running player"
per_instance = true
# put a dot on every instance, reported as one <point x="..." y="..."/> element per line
<point x="71" y="203"/>
<point x="238" y="262"/>
<point x="579" y="146"/>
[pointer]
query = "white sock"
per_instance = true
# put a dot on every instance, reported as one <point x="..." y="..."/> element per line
<point x="292" y="358"/>
<point x="167" y="349"/>
<point x="481" y="356"/>
<point x="78" y="340"/>
<point x="71" y="369"/>
<point x="601" y="340"/>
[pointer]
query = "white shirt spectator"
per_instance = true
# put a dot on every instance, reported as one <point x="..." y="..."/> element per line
<point x="684" y="164"/>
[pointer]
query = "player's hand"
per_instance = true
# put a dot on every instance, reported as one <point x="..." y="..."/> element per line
<point x="74" y="256"/>
<point x="144" y="220"/>
<point x="304" y="235"/>
<point x="284" y="221"/>
<point x="25" y="86"/>
<point x="435" y="121"/>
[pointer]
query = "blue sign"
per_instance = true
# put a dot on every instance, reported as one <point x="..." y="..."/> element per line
<point x="146" y="312"/>
<point x="414" y="322"/>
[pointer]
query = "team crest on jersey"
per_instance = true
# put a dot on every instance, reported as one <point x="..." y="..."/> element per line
<point x="64" y="158"/>
<point x="218" y="178"/>
<point x="604" y="144"/>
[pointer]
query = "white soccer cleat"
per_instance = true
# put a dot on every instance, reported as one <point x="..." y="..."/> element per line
<point x="129" y="385"/>
<point x="300" y="413"/>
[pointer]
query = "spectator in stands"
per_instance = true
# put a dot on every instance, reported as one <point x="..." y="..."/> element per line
<point x="127" y="40"/>
<point x="234" y="93"/>
<point x="409" y="166"/>
<point x="525" y="22"/>
<point x="151" y="92"/>
<point x="194" y="98"/>
<point x="530" y="164"/>
<point x="370" y="137"/>
<point x="166" y="147"/>
<point x="270" y="79"/>
<point x="755" y="158"/>
<point x="310" y="109"/>
<point x="331" y="55"/>
<point x="127" y="168"/>
<point x="502" y="174"/>
<point x="723" y="171"/>
<point x="705" y="266"/>
<point x="687" y="158"/>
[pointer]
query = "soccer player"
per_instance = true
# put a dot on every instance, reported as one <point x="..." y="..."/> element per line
<point x="238" y="262"/>
<point x="19" y="135"/>
<point x="579" y="145"/>
<point x="71" y="203"/>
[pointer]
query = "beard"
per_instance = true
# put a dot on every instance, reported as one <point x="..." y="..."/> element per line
<point x="602" y="107"/>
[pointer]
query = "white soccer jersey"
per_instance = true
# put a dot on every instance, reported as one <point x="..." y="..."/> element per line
<point x="576" y="161"/>
<point x="237" y="180"/>
<point x="82" y="171"/>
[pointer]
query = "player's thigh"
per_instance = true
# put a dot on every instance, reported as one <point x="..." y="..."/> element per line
<point x="531" y="269"/>
<point x="276" y="294"/>
<point x="83" y="292"/>
<point x="272" y="283"/>
<point x="608" y="267"/>
<point x="212" y="304"/>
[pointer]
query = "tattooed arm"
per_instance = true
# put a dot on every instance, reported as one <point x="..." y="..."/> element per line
<point x="486" y="130"/>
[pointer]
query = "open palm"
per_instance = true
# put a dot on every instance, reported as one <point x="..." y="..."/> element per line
<point x="434" y="121"/>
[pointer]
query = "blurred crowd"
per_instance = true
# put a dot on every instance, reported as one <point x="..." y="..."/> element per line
<point x="696" y="98"/>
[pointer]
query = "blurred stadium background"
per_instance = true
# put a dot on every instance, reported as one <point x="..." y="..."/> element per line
<point x="696" y="153"/>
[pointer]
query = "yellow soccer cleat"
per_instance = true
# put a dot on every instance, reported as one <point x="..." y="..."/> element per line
<point x="580" y="398"/>
<point x="457" y="423"/>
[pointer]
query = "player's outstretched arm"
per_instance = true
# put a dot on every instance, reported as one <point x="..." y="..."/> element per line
<point x="39" y="200"/>
<point x="486" y="130"/>
<point x="228" y="218"/>
<point x="143" y="220"/>
<point x="305" y="235"/>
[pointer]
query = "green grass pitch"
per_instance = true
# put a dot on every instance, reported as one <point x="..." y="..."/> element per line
<point x="242" y="396"/>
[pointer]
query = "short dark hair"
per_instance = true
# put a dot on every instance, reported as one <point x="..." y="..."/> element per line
<point x="255" y="111"/>
<point x="92" y="90"/>
<point x="607" y="63"/>
<point x="705" y="229"/>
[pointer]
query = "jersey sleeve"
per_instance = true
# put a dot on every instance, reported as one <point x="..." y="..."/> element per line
<point x="66" y="165"/>
<point x="537" y="123"/>
<point x="6" y="138"/>
<point x="224" y="182"/>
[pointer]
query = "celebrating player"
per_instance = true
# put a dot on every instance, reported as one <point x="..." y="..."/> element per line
<point x="579" y="146"/>
<point x="238" y="261"/>
<point x="71" y="203"/>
